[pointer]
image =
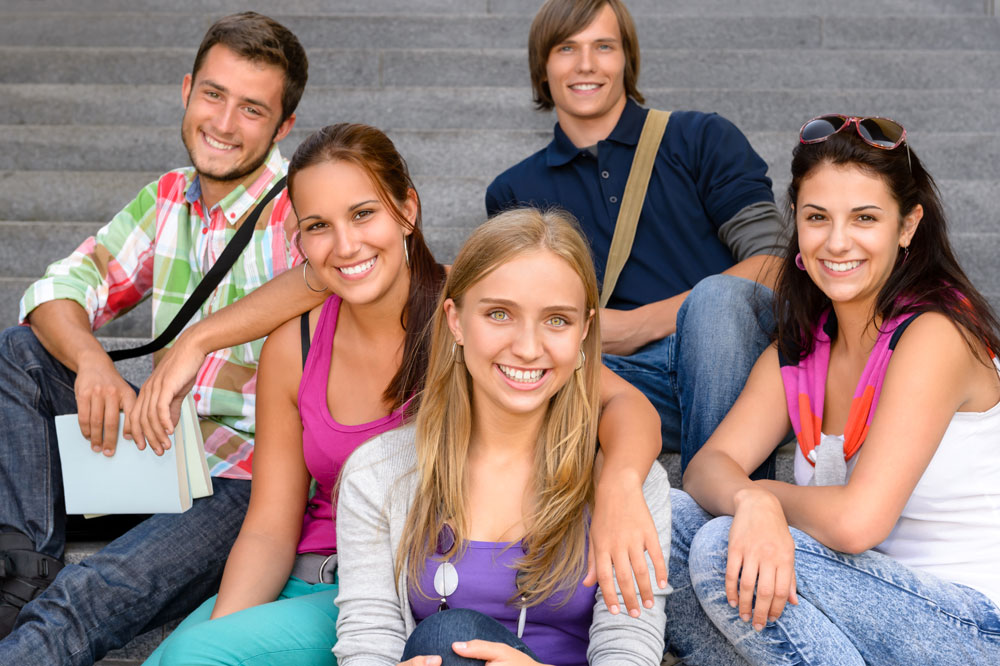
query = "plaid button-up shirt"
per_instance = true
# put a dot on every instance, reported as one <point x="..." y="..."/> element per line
<point x="163" y="243"/>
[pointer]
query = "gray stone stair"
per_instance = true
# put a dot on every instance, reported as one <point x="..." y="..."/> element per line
<point x="90" y="105"/>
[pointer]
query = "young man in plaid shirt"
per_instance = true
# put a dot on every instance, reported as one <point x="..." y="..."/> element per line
<point x="239" y="101"/>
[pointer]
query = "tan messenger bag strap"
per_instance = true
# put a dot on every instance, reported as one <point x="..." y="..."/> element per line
<point x="633" y="198"/>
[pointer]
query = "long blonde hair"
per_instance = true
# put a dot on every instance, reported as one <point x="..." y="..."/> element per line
<point x="555" y="539"/>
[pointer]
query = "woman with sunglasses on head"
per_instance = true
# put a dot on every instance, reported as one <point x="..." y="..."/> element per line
<point x="464" y="539"/>
<point x="339" y="375"/>
<point x="885" y="549"/>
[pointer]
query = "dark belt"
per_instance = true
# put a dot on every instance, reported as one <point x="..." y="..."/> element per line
<point x="315" y="567"/>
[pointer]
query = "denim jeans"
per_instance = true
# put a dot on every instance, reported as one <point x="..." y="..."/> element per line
<point x="695" y="375"/>
<point x="435" y="634"/>
<point x="158" y="571"/>
<point x="853" y="609"/>
<point x="690" y="634"/>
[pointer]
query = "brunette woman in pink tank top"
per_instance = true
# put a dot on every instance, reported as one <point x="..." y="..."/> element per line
<point x="347" y="371"/>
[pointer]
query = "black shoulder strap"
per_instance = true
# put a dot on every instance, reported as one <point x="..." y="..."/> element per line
<point x="208" y="283"/>
<point x="304" y="334"/>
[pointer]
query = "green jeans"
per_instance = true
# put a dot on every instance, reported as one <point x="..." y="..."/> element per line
<point x="299" y="628"/>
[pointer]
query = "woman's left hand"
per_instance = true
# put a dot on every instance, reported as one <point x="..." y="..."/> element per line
<point x="622" y="531"/>
<point x="494" y="654"/>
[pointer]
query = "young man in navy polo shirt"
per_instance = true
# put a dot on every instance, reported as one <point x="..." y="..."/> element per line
<point x="690" y="312"/>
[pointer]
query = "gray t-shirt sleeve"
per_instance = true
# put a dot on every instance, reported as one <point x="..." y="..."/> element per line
<point x="756" y="229"/>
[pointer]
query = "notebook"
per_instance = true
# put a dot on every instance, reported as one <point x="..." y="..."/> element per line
<point x="133" y="481"/>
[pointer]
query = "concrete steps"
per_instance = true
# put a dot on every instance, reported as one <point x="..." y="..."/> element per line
<point x="89" y="105"/>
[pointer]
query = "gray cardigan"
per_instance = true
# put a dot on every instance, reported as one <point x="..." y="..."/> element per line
<point x="376" y="490"/>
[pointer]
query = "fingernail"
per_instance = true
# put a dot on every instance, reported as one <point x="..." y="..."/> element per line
<point x="461" y="645"/>
<point x="108" y="452"/>
<point x="732" y="603"/>
<point x="745" y="617"/>
<point x="95" y="448"/>
<point x="758" y="627"/>
<point x="663" y="584"/>
<point x="634" y="612"/>
<point x="771" y="618"/>
<point x="648" y="603"/>
<point x="613" y="609"/>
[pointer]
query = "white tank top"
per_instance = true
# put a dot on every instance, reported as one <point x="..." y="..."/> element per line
<point x="950" y="527"/>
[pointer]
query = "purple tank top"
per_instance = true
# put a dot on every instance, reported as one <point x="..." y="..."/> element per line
<point x="558" y="634"/>
<point x="326" y="444"/>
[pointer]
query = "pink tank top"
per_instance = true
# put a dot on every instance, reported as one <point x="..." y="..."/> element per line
<point x="326" y="444"/>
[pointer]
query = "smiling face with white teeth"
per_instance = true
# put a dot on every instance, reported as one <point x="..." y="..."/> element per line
<point x="586" y="78"/>
<point x="850" y="231"/>
<point x="521" y="327"/>
<point x="352" y="239"/>
<point x="232" y="114"/>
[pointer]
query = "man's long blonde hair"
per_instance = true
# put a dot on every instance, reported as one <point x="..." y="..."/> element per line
<point x="555" y="539"/>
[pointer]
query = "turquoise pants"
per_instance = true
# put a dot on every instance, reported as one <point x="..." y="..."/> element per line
<point x="299" y="628"/>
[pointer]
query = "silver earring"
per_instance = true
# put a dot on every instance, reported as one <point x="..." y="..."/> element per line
<point x="582" y="361"/>
<point x="906" y="254"/>
<point x="456" y="351"/>
<point x="305" y="278"/>
<point x="406" y="251"/>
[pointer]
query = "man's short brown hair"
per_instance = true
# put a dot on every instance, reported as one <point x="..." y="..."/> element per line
<point x="259" y="38"/>
<point x="557" y="21"/>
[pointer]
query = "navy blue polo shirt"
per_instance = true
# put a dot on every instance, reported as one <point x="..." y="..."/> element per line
<point x="704" y="174"/>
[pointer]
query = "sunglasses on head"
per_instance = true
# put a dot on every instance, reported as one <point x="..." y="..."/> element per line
<point x="879" y="132"/>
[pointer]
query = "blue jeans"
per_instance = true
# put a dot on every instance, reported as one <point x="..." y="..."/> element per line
<point x="853" y="609"/>
<point x="299" y="628"/>
<point x="690" y="634"/>
<point x="695" y="375"/>
<point x="434" y="636"/>
<point x="158" y="571"/>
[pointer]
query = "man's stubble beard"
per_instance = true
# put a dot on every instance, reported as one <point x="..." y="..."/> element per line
<point x="236" y="174"/>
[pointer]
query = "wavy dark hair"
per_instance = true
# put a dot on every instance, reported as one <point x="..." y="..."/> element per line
<point x="930" y="279"/>
<point x="371" y="150"/>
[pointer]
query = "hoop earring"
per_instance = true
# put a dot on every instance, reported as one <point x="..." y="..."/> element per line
<point x="798" y="261"/>
<point x="305" y="278"/>
<point x="582" y="361"/>
<point x="457" y="353"/>
<point x="406" y="251"/>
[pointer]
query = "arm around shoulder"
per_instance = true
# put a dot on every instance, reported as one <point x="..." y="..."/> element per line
<point x="621" y="638"/>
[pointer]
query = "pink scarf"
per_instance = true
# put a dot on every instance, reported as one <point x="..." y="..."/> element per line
<point x="805" y="385"/>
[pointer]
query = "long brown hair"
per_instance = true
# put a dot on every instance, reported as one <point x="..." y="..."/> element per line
<point x="555" y="540"/>
<point x="371" y="150"/>
<point x="927" y="278"/>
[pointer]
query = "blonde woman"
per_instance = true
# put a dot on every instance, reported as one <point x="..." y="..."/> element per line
<point x="464" y="537"/>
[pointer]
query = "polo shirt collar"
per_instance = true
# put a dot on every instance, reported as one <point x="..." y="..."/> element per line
<point x="244" y="196"/>
<point x="561" y="150"/>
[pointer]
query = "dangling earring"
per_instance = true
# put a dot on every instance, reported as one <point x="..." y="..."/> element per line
<point x="305" y="278"/>
<point x="456" y="351"/>
<point x="582" y="361"/>
<point x="798" y="261"/>
<point x="906" y="254"/>
<point x="406" y="251"/>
